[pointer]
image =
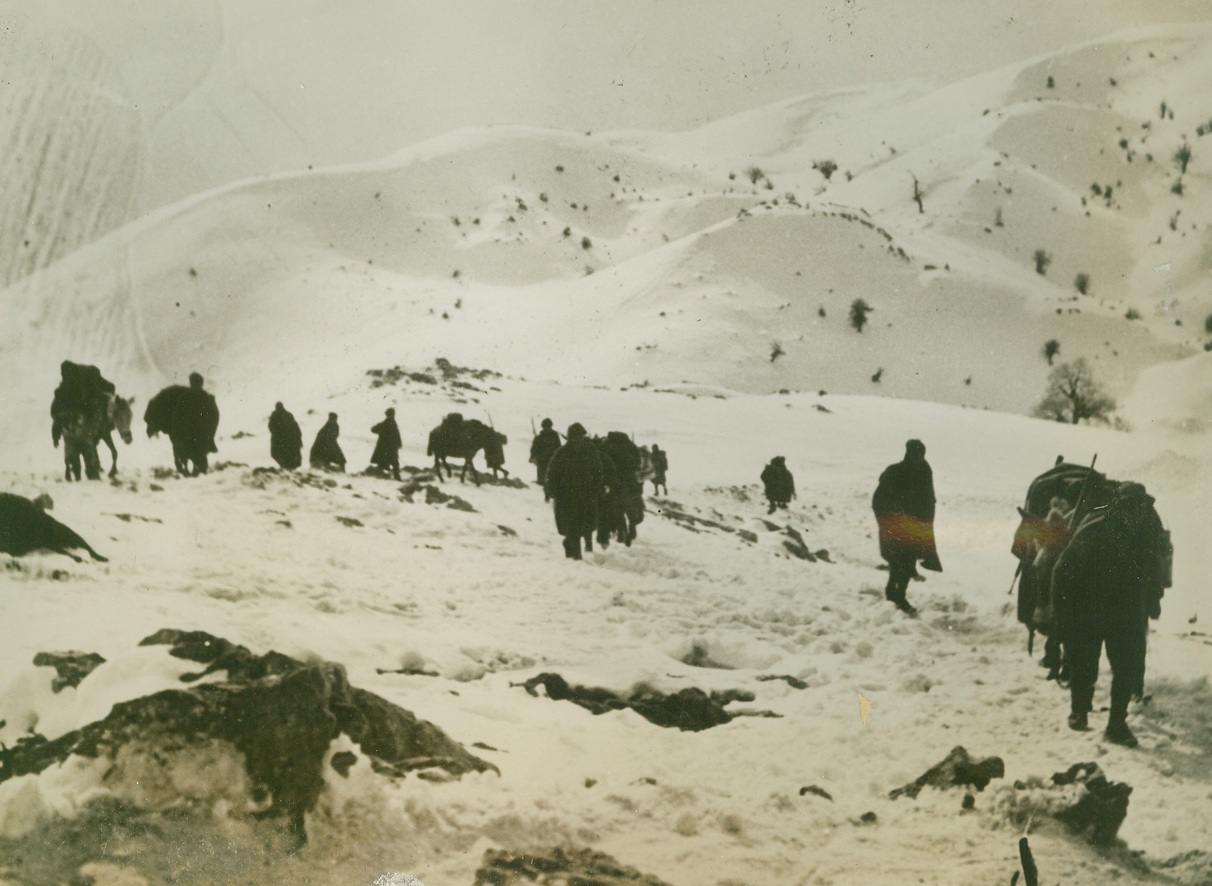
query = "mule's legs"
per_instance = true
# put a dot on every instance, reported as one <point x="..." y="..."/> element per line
<point x="71" y="461"/>
<point x="92" y="464"/>
<point x="180" y="460"/>
<point x="475" y="475"/>
<point x="113" y="454"/>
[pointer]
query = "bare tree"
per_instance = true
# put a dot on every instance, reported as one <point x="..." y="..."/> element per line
<point x="1073" y="395"/>
<point x="917" y="194"/>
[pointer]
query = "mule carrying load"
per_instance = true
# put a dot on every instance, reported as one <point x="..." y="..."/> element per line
<point x="457" y="437"/>
<point x="1074" y="557"/>
<point x="85" y="411"/>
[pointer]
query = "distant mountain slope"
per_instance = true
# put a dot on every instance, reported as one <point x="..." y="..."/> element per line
<point x="726" y="256"/>
<point x="70" y="147"/>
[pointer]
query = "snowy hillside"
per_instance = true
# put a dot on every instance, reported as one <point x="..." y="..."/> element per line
<point x="473" y="601"/>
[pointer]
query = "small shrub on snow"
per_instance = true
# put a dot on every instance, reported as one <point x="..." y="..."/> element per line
<point x="1182" y="157"/>
<point x="859" y="309"/>
<point x="825" y="168"/>
<point x="1082" y="283"/>
<point x="1042" y="260"/>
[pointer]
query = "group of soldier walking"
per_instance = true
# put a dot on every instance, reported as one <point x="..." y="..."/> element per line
<point x="1094" y="557"/>
<point x="596" y="484"/>
<point x="286" y="443"/>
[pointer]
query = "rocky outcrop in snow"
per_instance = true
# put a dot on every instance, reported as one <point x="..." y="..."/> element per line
<point x="690" y="710"/>
<point x="958" y="768"/>
<point x="558" y="866"/>
<point x="282" y="716"/>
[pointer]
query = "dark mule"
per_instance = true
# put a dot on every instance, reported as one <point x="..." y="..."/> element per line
<point x="190" y="418"/>
<point x="103" y="415"/>
<point x="459" y="438"/>
<point x="1056" y="502"/>
<point x="24" y="527"/>
<point x="85" y="411"/>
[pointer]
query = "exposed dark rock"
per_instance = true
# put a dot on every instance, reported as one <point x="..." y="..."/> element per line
<point x="342" y="761"/>
<point x="72" y="667"/>
<point x="794" y="543"/>
<point x="818" y="791"/>
<point x="793" y="682"/>
<point x="281" y="714"/>
<point x="957" y="769"/>
<point x="1100" y="809"/>
<point x="558" y="867"/>
<point x="1193" y="867"/>
<point x="690" y="710"/>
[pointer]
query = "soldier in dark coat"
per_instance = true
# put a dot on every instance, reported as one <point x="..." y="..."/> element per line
<point x="542" y="448"/>
<point x="387" y="448"/>
<point x="660" y="464"/>
<point x="576" y="481"/>
<point x="326" y="452"/>
<point x="494" y="452"/>
<point x="190" y="417"/>
<point x="779" y="483"/>
<point x="1107" y="584"/>
<point x="904" y="511"/>
<point x="285" y="439"/>
<point x="200" y="441"/>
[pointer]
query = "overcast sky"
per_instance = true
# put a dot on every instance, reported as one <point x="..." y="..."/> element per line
<point x="330" y="81"/>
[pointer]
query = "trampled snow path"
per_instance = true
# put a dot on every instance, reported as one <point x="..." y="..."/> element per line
<point x="351" y="573"/>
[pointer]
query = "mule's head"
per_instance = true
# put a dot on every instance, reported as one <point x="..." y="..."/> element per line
<point x="122" y="416"/>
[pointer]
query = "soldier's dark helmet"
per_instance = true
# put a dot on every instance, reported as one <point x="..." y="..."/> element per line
<point x="391" y="411"/>
<point x="575" y="431"/>
<point x="195" y="380"/>
<point x="915" y="448"/>
<point x="332" y="416"/>
<point x="546" y="423"/>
